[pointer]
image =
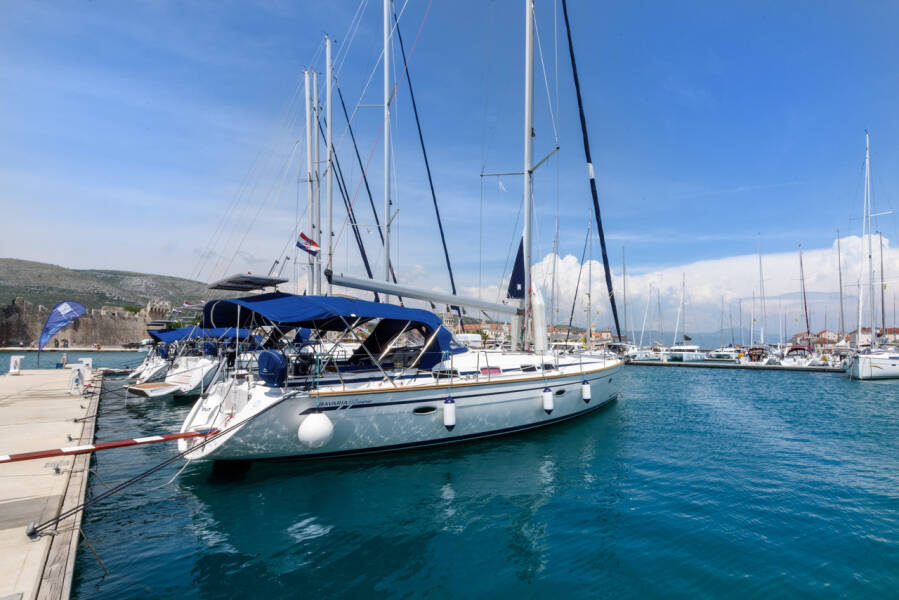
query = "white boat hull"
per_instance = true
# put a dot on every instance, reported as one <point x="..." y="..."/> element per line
<point x="874" y="366"/>
<point x="191" y="374"/>
<point x="396" y="419"/>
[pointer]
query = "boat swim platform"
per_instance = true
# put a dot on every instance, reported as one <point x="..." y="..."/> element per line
<point x="725" y="365"/>
<point x="37" y="411"/>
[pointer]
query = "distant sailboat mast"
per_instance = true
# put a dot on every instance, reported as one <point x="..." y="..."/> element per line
<point x="808" y="332"/>
<point x="761" y="295"/>
<point x="679" y="310"/>
<point x="840" y="276"/>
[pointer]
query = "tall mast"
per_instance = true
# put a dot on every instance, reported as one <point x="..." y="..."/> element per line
<point x="624" y="290"/>
<point x="808" y="329"/>
<point x="761" y="295"/>
<point x="679" y="309"/>
<point x="659" y="298"/>
<point x="883" y="309"/>
<point x="730" y="316"/>
<point x="590" y="285"/>
<point x="386" y="142"/>
<point x="317" y="201"/>
<point x="329" y="74"/>
<point x="752" y="320"/>
<point x="721" y="325"/>
<point x="528" y="151"/>
<point x="840" y="275"/>
<point x="310" y="181"/>
<point x="646" y="314"/>
<point x="742" y="334"/>
<point x="870" y="251"/>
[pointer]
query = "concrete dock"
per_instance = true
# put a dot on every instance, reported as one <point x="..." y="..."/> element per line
<point x="724" y="365"/>
<point x="38" y="412"/>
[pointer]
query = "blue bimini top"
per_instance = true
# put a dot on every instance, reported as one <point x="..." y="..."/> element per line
<point x="329" y="313"/>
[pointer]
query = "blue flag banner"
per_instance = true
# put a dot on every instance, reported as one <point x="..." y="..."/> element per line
<point x="61" y="315"/>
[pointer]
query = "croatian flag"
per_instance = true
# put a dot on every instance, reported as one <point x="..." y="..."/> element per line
<point x="308" y="245"/>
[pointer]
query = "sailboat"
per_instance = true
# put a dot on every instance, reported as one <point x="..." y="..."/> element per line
<point x="408" y="383"/>
<point x="683" y="352"/>
<point x="876" y="361"/>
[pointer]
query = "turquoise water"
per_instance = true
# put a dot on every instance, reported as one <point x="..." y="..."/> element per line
<point x="50" y="358"/>
<point x="697" y="483"/>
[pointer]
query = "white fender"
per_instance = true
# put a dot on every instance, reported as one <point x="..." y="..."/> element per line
<point x="316" y="430"/>
<point x="547" y="400"/>
<point x="449" y="414"/>
<point x="586" y="392"/>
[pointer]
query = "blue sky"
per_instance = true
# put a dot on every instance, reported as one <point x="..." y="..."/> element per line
<point x="127" y="129"/>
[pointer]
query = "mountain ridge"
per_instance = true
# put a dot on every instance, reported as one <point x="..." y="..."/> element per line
<point x="48" y="284"/>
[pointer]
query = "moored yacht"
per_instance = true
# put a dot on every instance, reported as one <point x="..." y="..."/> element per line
<point x="408" y="384"/>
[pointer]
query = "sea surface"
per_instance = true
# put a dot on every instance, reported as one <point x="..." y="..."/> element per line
<point x="695" y="484"/>
<point x="50" y="358"/>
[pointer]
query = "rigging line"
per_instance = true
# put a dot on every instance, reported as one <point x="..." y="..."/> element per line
<point x="593" y="191"/>
<point x="384" y="122"/>
<point x="228" y="239"/>
<point x="364" y="170"/>
<point x="509" y="252"/>
<point x="350" y="35"/>
<point x="201" y="264"/>
<point x="262" y="205"/>
<point x="351" y="218"/>
<point x="549" y="100"/>
<point x="484" y="126"/>
<point x="39" y="529"/>
<point x="577" y="287"/>
<point x="351" y="215"/>
<point x="374" y="70"/>
<point x="424" y="152"/>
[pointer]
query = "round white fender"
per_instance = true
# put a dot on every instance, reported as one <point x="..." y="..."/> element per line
<point x="316" y="430"/>
<point x="449" y="414"/>
<point x="547" y="400"/>
<point x="586" y="392"/>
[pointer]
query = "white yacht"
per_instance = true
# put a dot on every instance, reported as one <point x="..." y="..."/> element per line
<point x="684" y="353"/>
<point x="390" y="394"/>
<point x="408" y="383"/>
<point x="877" y="361"/>
<point x="726" y="354"/>
<point x="881" y="362"/>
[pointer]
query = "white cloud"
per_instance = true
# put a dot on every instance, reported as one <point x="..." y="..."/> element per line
<point x="735" y="278"/>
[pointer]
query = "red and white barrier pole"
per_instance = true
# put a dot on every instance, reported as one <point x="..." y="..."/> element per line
<point x="71" y="450"/>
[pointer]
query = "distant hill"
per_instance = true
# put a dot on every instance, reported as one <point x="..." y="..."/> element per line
<point x="46" y="284"/>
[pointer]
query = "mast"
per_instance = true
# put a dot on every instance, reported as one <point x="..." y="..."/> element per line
<point x="590" y="172"/>
<point x="721" y="325"/>
<point x="883" y="309"/>
<point x="528" y="151"/>
<point x="317" y="201"/>
<point x="840" y="276"/>
<point x="752" y="320"/>
<point x="387" y="143"/>
<point x="730" y="313"/>
<point x="329" y="73"/>
<point x="808" y="329"/>
<point x="679" y="310"/>
<point x="310" y="181"/>
<point x="645" y="314"/>
<point x="868" y="220"/>
<point x="742" y="334"/>
<point x="590" y="286"/>
<point x="659" y="298"/>
<point x="624" y="291"/>
<point x="761" y="295"/>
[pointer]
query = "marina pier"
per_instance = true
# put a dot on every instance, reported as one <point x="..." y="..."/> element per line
<point x="37" y="409"/>
<point x="728" y="365"/>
